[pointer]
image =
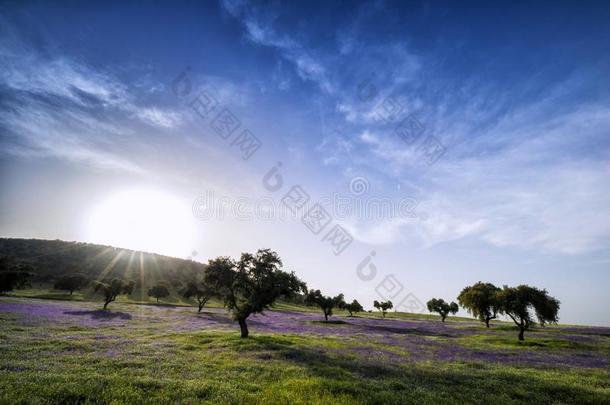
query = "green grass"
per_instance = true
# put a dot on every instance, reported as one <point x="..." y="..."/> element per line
<point x="152" y="363"/>
<point x="219" y="367"/>
<point x="533" y="342"/>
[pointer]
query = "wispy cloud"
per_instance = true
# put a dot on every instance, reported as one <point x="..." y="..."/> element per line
<point x="63" y="108"/>
<point x="259" y="29"/>
<point x="533" y="181"/>
<point x="519" y="171"/>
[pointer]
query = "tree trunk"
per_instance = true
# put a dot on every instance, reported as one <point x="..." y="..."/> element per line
<point x="521" y="331"/>
<point x="243" y="327"/>
<point x="70" y="292"/>
<point x="325" y="316"/>
<point x="487" y="322"/>
<point x="202" y="303"/>
<point x="157" y="300"/>
<point x="106" y="304"/>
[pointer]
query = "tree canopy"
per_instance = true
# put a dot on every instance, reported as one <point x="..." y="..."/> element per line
<point x="14" y="275"/>
<point x="112" y="289"/>
<point x="354" y="307"/>
<point x="71" y="282"/>
<point x="198" y="290"/>
<point x="522" y="302"/>
<point x="481" y="300"/>
<point x="159" y="290"/>
<point x="442" y="308"/>
<point x="326" y="303"/>
<point x="383" y="306"/>
<point x="250" y="285"/>
<point x="13" y="280"/>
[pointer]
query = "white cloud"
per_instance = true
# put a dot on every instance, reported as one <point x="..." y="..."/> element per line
<point x="158" y="117"/>
<point x="532" y="182"/>
<point x="512" y="176"/>
<point x="62" y="108"/>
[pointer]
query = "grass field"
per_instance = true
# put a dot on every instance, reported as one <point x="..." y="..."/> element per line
<point x="68" y="351"/>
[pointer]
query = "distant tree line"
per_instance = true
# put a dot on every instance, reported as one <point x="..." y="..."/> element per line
<point x="246" y="286"/>
<point x="523" y="304"/>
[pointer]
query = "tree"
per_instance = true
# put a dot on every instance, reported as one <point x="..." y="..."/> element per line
<point x="159" y="290"/>
<point x="519" y="302"/>
<point x="250" y="285"/>
<point x="14" y="280"/>
<point x="443" y="308"/>
<point x="71" y="282"/>
<point x="383" y="306"/>
<point x="326" y="303"/>
<point x="354" y="307"/>
<point x="14" y="275"/>
<point x="199" y="291"/>
<point x="481" y="301"/>
<point x="112" y="289"/>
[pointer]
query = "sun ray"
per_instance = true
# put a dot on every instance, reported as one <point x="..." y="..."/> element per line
<point x="110" y="266"/>
<point x="157" y="269"/>
<point x="100" y="254"/>
<point x="141" y="277"/>
<point x="128" y="273"/>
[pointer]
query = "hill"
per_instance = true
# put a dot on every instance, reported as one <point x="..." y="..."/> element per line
<point x="52" y="259"/>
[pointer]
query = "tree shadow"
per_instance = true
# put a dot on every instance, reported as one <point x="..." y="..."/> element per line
<point x="218" y="317"/>
<point x="403" y="378"/>
<point x="101" y="314"/>
<point x="162" y="304"/>
<point x="402" y="330"/>
<point x="331" y="322"/>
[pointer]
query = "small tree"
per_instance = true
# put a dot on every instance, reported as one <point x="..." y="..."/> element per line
<point x="324" y="302"/>
<point x="519" y="302"/>
<point x="71" y="282"/>
<point x="14" y="280"/>
<point x="14" y="275"/>
<point x="354" y="307"/>
<point x="113" y="289"/>
<point x="383" y="306"/>
<point x="250" y="285"/>
<point x="443" y="308"/>
<point x="481" y="300"/>
<point x="199" y="291"/>
<point x="159" y="290"/>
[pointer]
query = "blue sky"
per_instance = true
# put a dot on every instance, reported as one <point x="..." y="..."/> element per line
<point x="94" y="121"/>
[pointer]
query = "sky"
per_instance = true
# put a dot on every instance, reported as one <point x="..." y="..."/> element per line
<point x="386" y="150"/>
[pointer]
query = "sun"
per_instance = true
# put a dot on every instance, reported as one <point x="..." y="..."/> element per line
<point x="143" y="219"/>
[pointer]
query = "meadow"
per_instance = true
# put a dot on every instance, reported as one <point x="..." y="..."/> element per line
<point x="56" y="348"/>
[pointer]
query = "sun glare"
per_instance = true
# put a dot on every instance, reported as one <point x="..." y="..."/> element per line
<point x="146" y="220"/>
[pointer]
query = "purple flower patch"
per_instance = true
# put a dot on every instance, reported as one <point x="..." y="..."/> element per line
<point x="394" y="341"/>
